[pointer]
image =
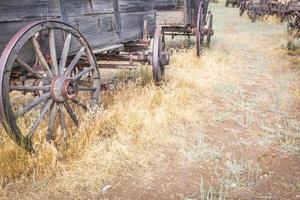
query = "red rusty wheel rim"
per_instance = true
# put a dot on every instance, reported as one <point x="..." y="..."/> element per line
<point x="159" y="55"/>
<point x="199" y="28"/>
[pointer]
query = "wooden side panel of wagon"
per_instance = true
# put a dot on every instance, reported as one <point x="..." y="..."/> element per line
<point x="95" y="19"/>
<point x="15" y="14"/>
<point x="132" y="15"/>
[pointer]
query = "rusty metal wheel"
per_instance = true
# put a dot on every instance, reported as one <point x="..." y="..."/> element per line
<point x="210" y="31"/>
<point x="199" y="29"/>
<point x="60" y="79"/>
<point x="160" y="58"/>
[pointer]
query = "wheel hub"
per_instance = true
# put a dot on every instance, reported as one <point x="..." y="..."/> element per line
<point x="64" y="89"/>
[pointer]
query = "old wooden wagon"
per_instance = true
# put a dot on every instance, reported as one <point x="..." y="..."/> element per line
<point x="291" y="12"/>
<point x="232" y="2"/>
<point x="261" y="9"/>
<point x="52" y="53"/>
<point x="185" y="18"/>
<point x="256" y="9"/>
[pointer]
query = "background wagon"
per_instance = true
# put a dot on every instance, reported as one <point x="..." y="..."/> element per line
<point x="51" y="54"/>
<point x="291" y="12"/>
<point x="232" y="2"/>
<point x="185" y="18"/>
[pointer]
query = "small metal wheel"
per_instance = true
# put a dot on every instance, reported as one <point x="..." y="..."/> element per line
<point x="210" y="31"/>
<point x="160" y="57"/>
<point x="48" y="76"/>
<point x="199" y="29"/>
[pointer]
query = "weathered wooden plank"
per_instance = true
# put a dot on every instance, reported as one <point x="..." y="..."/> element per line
<point x="165" y="4"/>
<point x="98" y="29"/>
<point x="14" y="10"/>
<point x="132" y="25"/>
<point x="135" y="5"/>
<point x="176" y="17"/>
<point x="88" y="7"/>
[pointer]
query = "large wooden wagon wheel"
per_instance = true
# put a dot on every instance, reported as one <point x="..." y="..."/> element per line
<point x="160" y="57"/>
<point x="283" y="9"/>
<point x="293" y="21"/>
<point x="199" y="29"/>
<point x="210" y="31"/>
<point x="252" y="13"/>
<point x="243" y="7"/>
<point x="60" y="80"/>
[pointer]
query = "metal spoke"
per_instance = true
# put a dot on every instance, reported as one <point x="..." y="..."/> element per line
<point x="79" y="103"/>
<point x="83" y="72"/>
<point x="71" y="66"/>
<point x="40" y="55"/>
<point x="33" y="104"/>
<point x="71" y="113"/>
<point x="51" y="122"/>
<point x="62" y="122"/>
<point x="64" y="54"/>
<point x="37" y="122"/>
<point x="53" y="52"/>
<point x="30" y="69"/>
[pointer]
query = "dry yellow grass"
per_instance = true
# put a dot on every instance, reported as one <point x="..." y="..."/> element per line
<point x="199" y="117"/>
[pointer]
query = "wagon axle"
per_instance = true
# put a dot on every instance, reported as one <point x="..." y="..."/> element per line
<point x="64" y="89"/>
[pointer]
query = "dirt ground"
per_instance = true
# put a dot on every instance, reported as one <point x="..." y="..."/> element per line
<point x="225" y="126"/>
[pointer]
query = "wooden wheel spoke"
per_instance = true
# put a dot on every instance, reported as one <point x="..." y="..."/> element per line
<point x="30" y="69"/>
<point x="65" y="52"/>
<point x="29" y="88"/>
<point x="53" y="52"/>
<point x="51" y="122"/>
<point x="33" y="104"/>
<point x="71" y="113"/>
<point x="40" y="118"/>
<point x="73" y="63"/>
<point x="86" y="89"/>
<point x="83" y="72"/>
<point x="38" y="52"/>
<point x="62" y="122"/>
<point x="79" y="103"/>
